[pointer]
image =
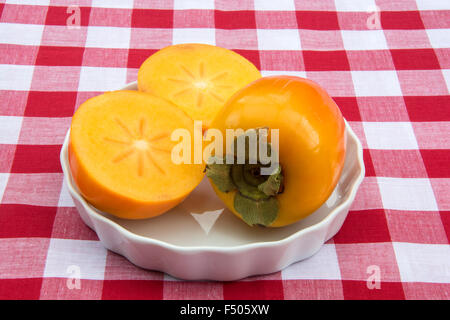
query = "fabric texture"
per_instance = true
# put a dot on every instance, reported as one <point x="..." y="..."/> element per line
<point x="386" y="64"/>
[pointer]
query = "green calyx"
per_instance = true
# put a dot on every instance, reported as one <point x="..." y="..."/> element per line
<point x="255" y="198"/>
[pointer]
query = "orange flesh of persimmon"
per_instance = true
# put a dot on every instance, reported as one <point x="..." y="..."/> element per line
<point x="198" y="78"/>
<point x="120" y="154"/>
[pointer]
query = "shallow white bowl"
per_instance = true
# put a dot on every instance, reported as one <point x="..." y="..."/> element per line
<point x="201" y="239"/>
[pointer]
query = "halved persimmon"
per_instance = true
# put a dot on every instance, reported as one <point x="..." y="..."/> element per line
<point x="120" y="154"/>
<point x="199" y="78"/>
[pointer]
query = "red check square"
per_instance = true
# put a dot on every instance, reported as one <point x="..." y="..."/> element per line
<point x="36" y="159"/>
<point x="59" y="56"/>
<point x="317" y="20"/>
<point x="137" y="56"/>
<point x="415" y="59"/>
<point x="20" y="289"/>
<point x="349" y="108"/>
<point x="401" y="20"/>
<point x="132" y="289"/>
<point x="360" y="291"/>
<point x="235" y="19"/>
<point x="250" y="290"/>
<point x="437" y="163"/>
<point x="325" y="61"/>
<point x="23" y="221"/>
<point x="50" y="104"/>
<point x="428" y="108"/>
<point x="59" y="15"/>
<point x="148" y="18"/>
<point x="366" y="226"/>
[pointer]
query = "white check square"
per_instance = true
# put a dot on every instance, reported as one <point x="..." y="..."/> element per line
<point x="3" y="181"/>
<point x="423" y="262"/>
<point x="376" y="83"/>
<point x="364" y="40"/>
<point x="29" y="2"/>
<point x="433" y="4"/>
<point x="279" y="5"/>
<point x="15" y="77"/>
<point x="439" y="38"/>
<point x="102" y="79"/>
<point x="446" y="73"/>
<point x="23" y="34"/>
<point x="194" y="35"/>
<point x="193" y="4"/>
<point x="390" y="135"/>
<point x="407" y="194"/>
<point x="355" y="5"/>
<point x="86" y="256"/>
<point x="65" y="199"/>
<point x="10" y="129"/>
<point x="323" y="265"/>
<point x="281" y="39"/>
<point x="108" y="37"/>
<point x="122" y="4"/>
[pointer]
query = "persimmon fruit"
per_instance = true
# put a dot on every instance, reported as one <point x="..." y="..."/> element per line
<point x="311" y="151"/>
<point x="120" y="154"/>
<point x="198" y="78"/>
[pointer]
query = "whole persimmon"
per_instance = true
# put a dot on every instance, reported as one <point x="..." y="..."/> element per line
<point x="311" y="150"/>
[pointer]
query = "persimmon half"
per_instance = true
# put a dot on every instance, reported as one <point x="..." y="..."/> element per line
<point x="120" y="154"/>
<point x="311" y="147"/>
<point x="198" y="78"/>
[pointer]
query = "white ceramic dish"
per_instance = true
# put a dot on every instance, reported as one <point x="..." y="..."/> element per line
<point x="200" y="239"/>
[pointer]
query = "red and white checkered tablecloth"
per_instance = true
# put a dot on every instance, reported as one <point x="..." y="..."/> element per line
<point x="386" y="63"/>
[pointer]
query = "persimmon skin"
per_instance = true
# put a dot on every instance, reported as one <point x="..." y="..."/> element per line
<point x="312" y="139"/>
<point x="132" y="187"/>
<point x="196" y="77"/>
